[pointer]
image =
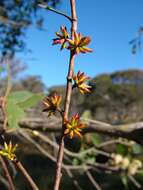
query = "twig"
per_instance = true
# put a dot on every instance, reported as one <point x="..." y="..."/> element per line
<point x="75" y="182"/>
<point x="26" y="175"/>
<point x="38" y="146"/>
<point x="103" y="167"/>
<point x="115" y="141"/>
<point x="54" y="142"/>
<point x="45" y="6"/>
<point x="4" y="181"/>
<point x="7" y="174"/>
<point x="135" y="182"/>
<point x="95" y="184"/>
<point x="45" y="152"/>
<point x="66" y="151"/>
<point x="24" y="172"/>
<point x="78" y="167"/>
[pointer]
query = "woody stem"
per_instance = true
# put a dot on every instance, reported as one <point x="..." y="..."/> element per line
<point x="67" y="100"/>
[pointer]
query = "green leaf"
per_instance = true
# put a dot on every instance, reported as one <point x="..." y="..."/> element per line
<point x="14" y="114"/>
<point x="137" y="149"/>
<point x="17" y="102"/>
<point x="121" y="149"/>
<point x="19" y="96"/>
<point x="96" y="139"/>
<point x="31" y="101"/>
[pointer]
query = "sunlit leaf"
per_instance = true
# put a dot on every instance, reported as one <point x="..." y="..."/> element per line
<point x="19" y="96"/>
<point x="17" y="103"/>
<point x="31" y="101"/>
<point x="14" y="113"/>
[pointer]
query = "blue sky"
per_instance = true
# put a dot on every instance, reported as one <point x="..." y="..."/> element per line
<point x="111" y="24"/>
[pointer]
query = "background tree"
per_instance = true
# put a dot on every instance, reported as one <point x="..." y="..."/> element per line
<point x="15" y="17"/>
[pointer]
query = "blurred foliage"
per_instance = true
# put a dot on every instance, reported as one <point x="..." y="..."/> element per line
<point x="15" y="17"/>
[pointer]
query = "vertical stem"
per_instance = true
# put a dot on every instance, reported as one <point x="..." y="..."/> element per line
<point x="3" y="109"/>
<point x="4" y="99"/>
<point x="7" y="174"/>
<point x="67" y="99"/>
<point x="26" y="175"/>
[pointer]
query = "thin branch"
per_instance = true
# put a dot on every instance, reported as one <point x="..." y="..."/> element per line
<point x="56" y="146"/>
<point x="135" y="182"/>
<point x="4" y="181"/>
<point x="103" y="167"/>
<point x="24" y="172"/>
<point x="45" y="152"/>
<point x="93" y="181"/>
<point x="59" y="164"/>
<point x="37" y="145"/>
<point x="26" y="175"/>
<point x="78" y="167"/>
<point x="45" y="6"/>
<point x="114" y="141"/>
<point x="75" y="182"/>
<point x="7" y="174"/>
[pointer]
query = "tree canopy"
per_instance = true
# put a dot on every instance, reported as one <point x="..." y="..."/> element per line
<point x="15" y="17"/>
